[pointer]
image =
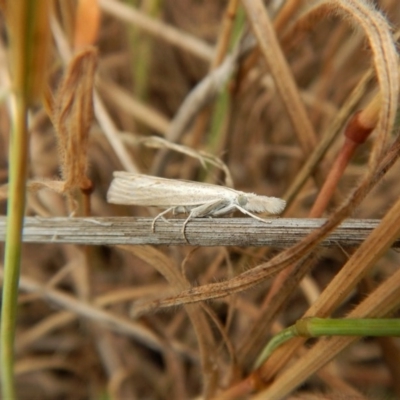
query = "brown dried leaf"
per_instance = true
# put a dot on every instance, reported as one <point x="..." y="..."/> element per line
<point x="73" y="114"/>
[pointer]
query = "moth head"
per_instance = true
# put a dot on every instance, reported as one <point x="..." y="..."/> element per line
<point x="259" y="204"/>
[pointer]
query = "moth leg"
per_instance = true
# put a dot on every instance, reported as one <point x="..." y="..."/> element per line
<point x="205" y="210"/>
<point x="153" y="225"/>
<point x="266" y="221"/>
<point x="228" y="208"/>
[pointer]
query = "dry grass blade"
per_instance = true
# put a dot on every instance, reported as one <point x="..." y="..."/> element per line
<point x="280" y="71"/>
<point x="202" y="156"/>
<point x="110" y="231"/>
<point x="157" y="28"/>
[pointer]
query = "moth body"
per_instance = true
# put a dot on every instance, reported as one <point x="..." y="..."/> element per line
<point x="179" y="196"/>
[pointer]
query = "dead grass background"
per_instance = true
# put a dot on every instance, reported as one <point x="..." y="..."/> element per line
<point x="87" y="324"/>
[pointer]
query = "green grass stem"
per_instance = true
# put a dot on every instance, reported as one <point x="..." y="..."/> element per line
<point x="316" y="327"/>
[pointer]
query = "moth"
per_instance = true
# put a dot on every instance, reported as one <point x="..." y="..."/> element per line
<point x="197" y="199"/>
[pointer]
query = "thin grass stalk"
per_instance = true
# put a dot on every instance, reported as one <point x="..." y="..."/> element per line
<point x="15" y="217"/>
<point x="29" y="33"/>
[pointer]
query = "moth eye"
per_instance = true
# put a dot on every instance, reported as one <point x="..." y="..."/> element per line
<point x="242" y="200"/>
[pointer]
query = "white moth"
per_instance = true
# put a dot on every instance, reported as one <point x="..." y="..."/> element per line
<point x="179" y="196"/>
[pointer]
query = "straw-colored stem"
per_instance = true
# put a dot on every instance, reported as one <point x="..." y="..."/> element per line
<point x="15" y="216"/>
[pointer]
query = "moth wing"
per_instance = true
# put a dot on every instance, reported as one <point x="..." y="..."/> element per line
<point x="151" y="191"/>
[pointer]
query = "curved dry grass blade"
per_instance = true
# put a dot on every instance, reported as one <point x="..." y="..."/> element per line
<point x="202" y="156"/>
<point x="385" y="58"/>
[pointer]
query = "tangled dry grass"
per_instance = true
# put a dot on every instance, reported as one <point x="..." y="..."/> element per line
<point x="293" y="99"/>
